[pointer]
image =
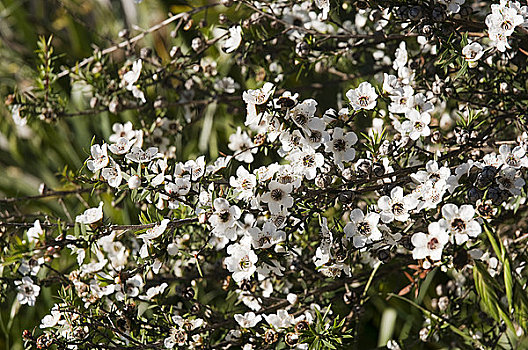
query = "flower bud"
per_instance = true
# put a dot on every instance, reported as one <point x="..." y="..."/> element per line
<point x="134" y="182"/>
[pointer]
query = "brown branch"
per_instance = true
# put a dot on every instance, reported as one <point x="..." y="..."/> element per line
<point x="138" y="37"/>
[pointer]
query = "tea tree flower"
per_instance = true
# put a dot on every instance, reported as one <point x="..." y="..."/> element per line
<point x="233" y="40"/>
<point x="266" y="237"/>
<point x="472" y="53"/>
<point x="121" y="146"/>
<point x="34" y="233"/>
<point x="341" y="146"/>
<point x="155" y="231"/>
<point x="303" y="112"/>
<point x="363" y="97"/>
<point x="248" y="320"/>
<point x="431" y="244"/>
<point x="460" y="222"/>
<point x="306" y="162"/>
<point x="244" y="183"/>
<point x="323" y="5"/>
<point x="112" y="175"/>
<point x="397" y="206"/>
<point x="363" y="229"/>
<point x="515" y="158"/>
<point x="278" y="196"/>
<point x="252" y="98"/>
<point x="137" y="155"/>
<point x="224" y="218"/>
<point x="131" y="77"/>
<point x="122" y="130"/>
<point x="509" y="180"/>
<point x="91" y="216"/>
<point x="52" y="319"/>
<point x="281" y="319"/>
<point x="241" y="261"/>
<point x="241" y="144"/>
<point x="27" y="291"/>
<point x="433" y="173"/>
<point x="417" y="124"/>
<point x="99" y="157"/>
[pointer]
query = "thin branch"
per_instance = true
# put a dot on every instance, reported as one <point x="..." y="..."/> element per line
<point x="138" y="37"/>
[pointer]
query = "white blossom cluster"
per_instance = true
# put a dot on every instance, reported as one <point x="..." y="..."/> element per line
<point x="289" y="171"/>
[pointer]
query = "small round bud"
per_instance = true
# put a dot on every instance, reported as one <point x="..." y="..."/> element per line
<point x="222" y="18"/>
<point x="134" y="182"/>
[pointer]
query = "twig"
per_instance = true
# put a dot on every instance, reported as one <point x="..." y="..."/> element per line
<point x="138" y="37"/>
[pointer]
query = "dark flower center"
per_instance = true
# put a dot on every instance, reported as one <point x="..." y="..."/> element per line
<point x="364" y="228"/>
<point x="340" y="145"/>
<point x="277" y="194"/>
<point x="433" y="244"/>
<point x="458" y="225"/>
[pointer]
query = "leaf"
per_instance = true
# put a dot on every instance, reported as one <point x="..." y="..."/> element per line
<point x="508" y="282"/>
<point x="487" y="288"/>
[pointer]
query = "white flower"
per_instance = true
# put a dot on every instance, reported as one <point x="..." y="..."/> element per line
<point x="121" y="146"/>
<point x="224" y="218"/>
<point x="153" y="291"/>
<point x="363" y="229"/>
<point x="391" y="83"/>
<point x="177" y="336"/>
<point x="91" y="215"/>
<point x="241" y="261"/>
<point x="233" y="40"/>
<point x="155" y="231"/>
<point x="509" y="180"/>
<point x="418" y="124"/>
<point x="137" y="155"/>
<point x="341" y="146"/>
<point x="241" y="144"/>
<point x="432" y="173"/>
<point x="226" y="84"/>
<point x="196" y="168"/>
<point x="430" y="194"/>
<point x="113" y="175"/>
<point x="27" y="291"/>
<point x="15" y="113"/>
<point x="515" y="158"/>
<point x="325" y="6"/>
<point x="306" y="162"/>
<point x="34" y="233"/>
<point x="52" y="319"/>
<point x="430" y="244"/>
<point x="315" y="133"/>
<point x="460" y="222"/>
<point x="248" y="320"/>
<point x="122" y="130"/>
<point x="472" y="53"/>
<point x="282" y="319"/>
<point x="401" y="57"/>
<point x="244" y="183"/>
<point x="364" y="97"/>
<point x="278" y="196"/>
<point x="99" y="157"/>
<point x="131" y="77"/>
<point x="253" y="98"/>
<point x="402" y="99"/>
<point x="323" y="253"/>
<point x="397" y="206"/>
<point x="266" y="237"/>
<point x="302" y="113"/>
